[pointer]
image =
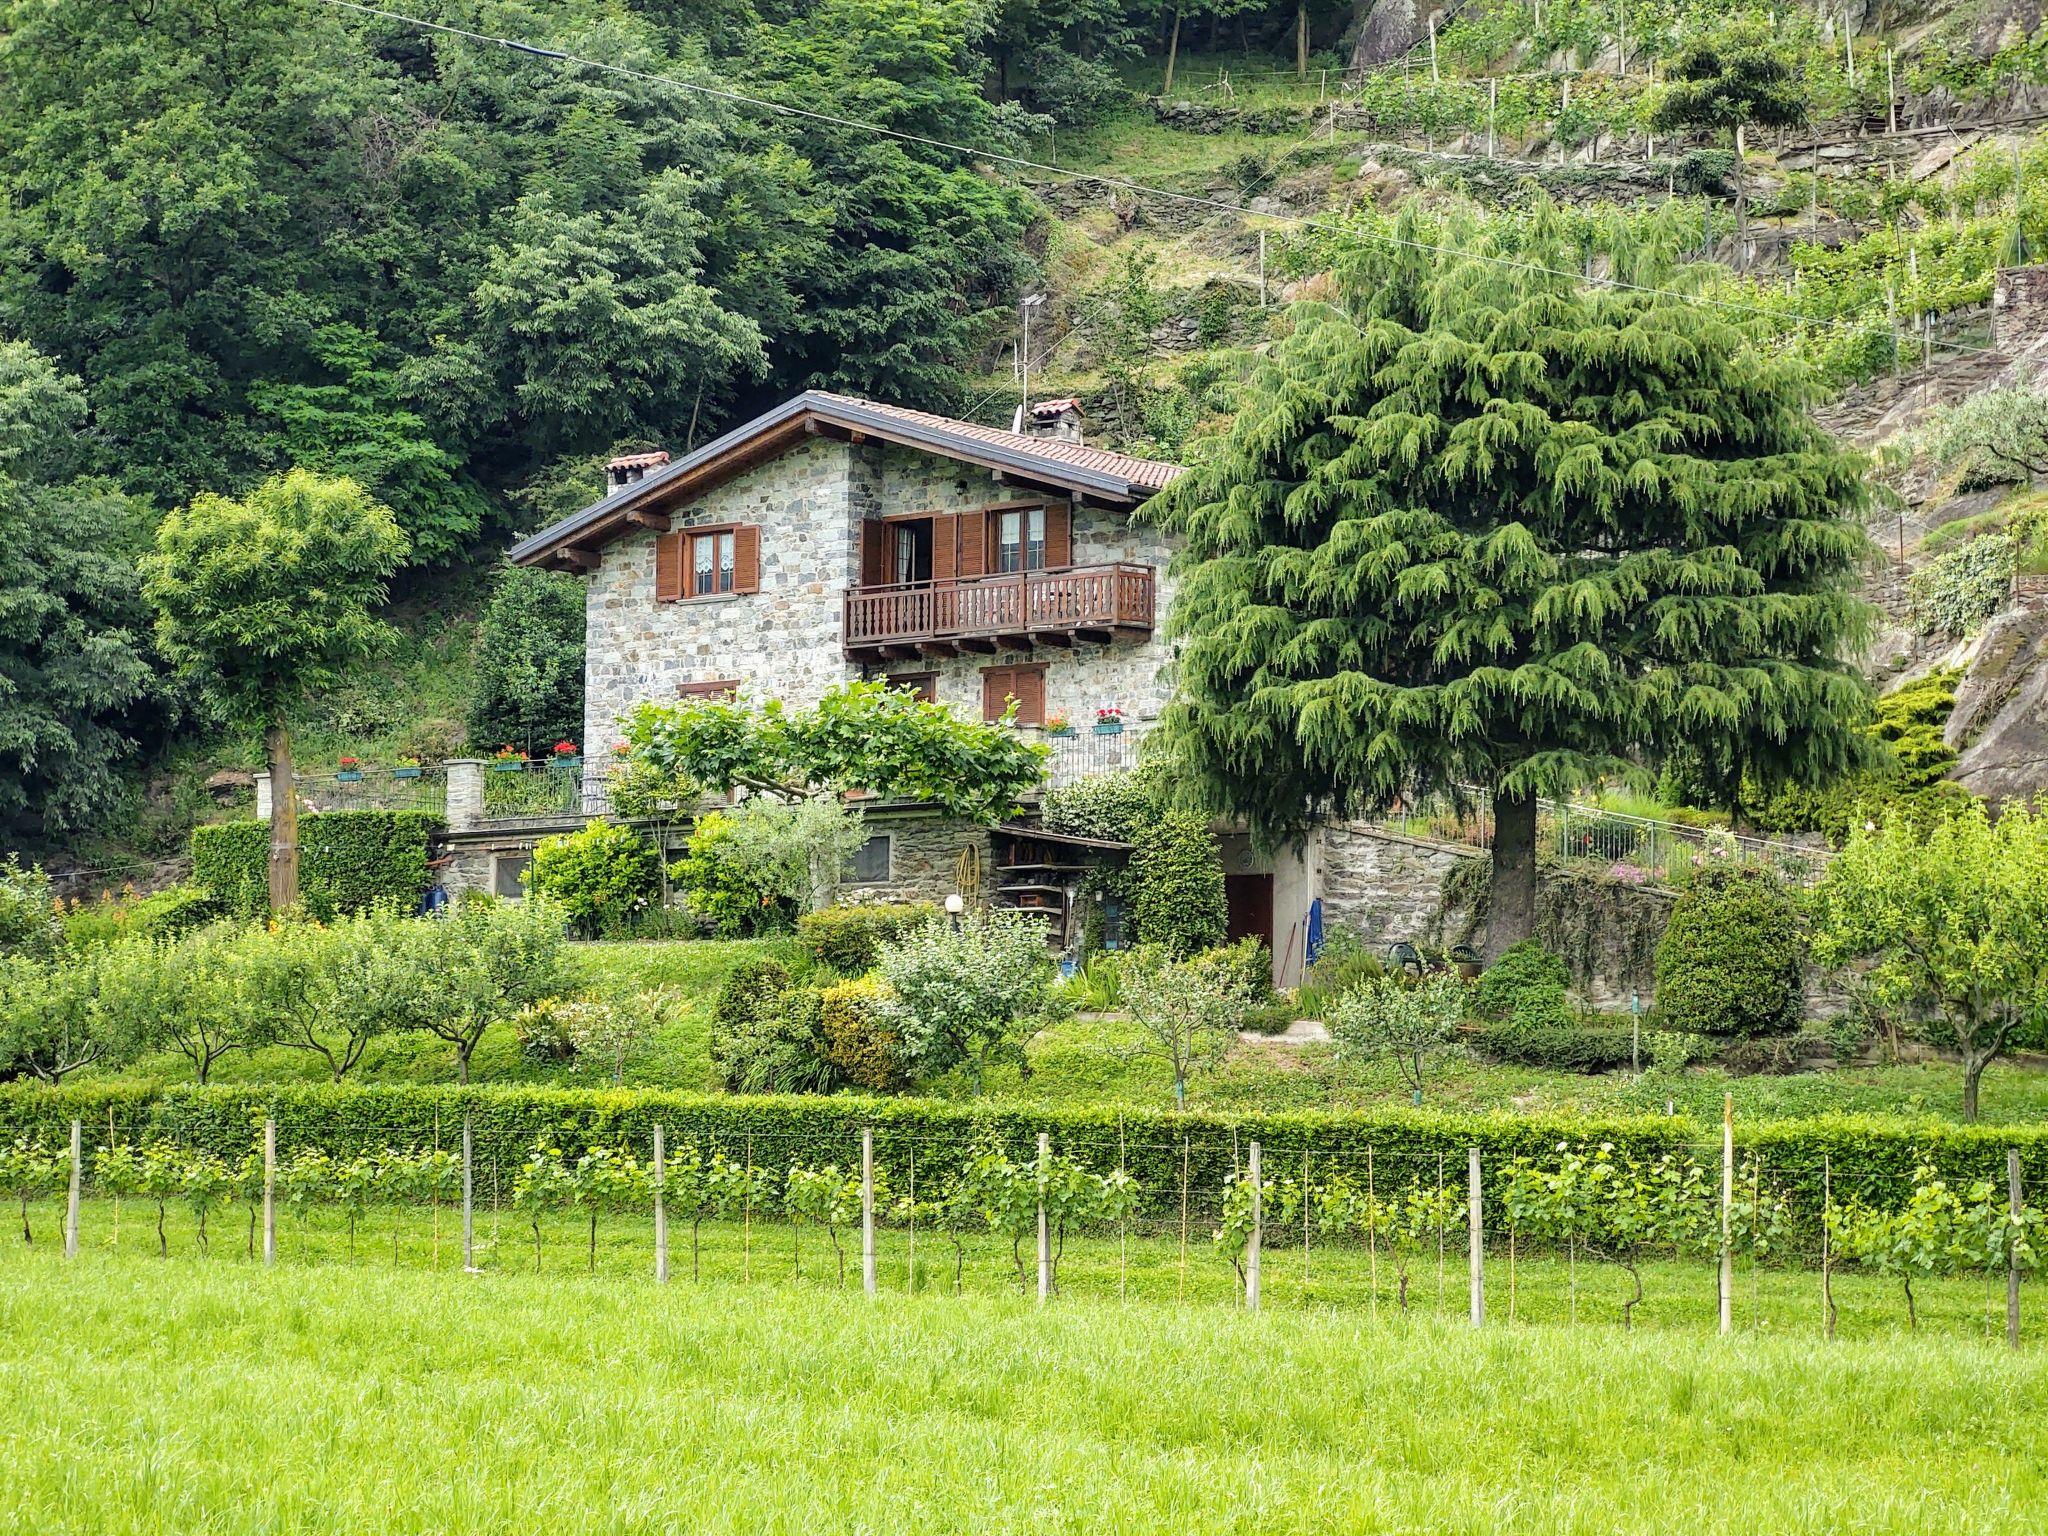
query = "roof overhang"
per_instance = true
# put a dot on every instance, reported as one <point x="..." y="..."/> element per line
<point x="573" y="542"/>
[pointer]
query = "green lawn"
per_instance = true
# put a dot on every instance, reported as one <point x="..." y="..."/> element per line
<point x="145" y="1397"/>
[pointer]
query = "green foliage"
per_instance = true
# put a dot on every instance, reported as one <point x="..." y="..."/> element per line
<point x="1558" y="1047"/>
<point x="1412" y="1022"/>
<point x="81" y="694"/>
<point x="1395" y="581"/>
<point x="602" y="876"/>
<point x="1938" y="1231"/>
<point x="1730" y="959"/>
<point x="28" y="910"/>
<point x="971" y="993"/>
<point x="851" y="939"/>
<point x="167" y="912"/>
<point x="1957" y="591"/>
<point x="1955" y="917"/>
<point x="1991" y="437"/>
<point x="1189" y="1011"/>
<point x="529" y="662"/>
<point x="52" y="1021"/>
<point x="1108" y="806"/>
<point x="861" y="1041"/>
<point x="1345" y="962"/>
<point x="1174" y="883"/>
<point x="1739" y="78"/>
<point x="349" y="861"/>
<point x="858" y="736"/>
<point x="264" y="600"/>
<point x="752" y="869"/>
<point x="768" y="1035"/>
<point x="1526" y="986"/>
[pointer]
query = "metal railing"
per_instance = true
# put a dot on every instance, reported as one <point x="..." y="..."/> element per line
<point x="546" y="789"/>
<point x="1088" y="753"/>
<point x="1638" y="850"/>
<point x="373" y="789"/>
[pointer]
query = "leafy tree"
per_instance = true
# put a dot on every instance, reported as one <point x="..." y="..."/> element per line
<point x="1995" y="435"/>
<point x="1410" y="1022"/>
<point x="79" y="690"/>
<point x="529" y="661"/>
<point x="1189" y="1013"/>
<point x="1727" y="83"/>
<point x="266" y="599"/>
<point x="1955" y="918"/>
<point x="1481" y="524"/>
<point x="192" y="991"/>
<point x="600" y="877"/>
<point x="753" y="868"/>
<point x="865" y="736"/>
<point x="972" y="992"/>
<point x="28" y="910"/>
<point x="608" y="1029"/>
<point x="52" y="1022"/>
<point x="455" y="976"/>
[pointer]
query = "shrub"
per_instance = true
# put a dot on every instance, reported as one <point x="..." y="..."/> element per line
<point x="1411" y="1022"/>
<point x="752" y="990"/>
<point x="1175" y="883"/>
<point x="1109" y="806"/>
<point x="850" y="939"/>
<point x="349" y="861"/>
<point x="1729" y="962"/>
<point x="529" y="660"/>
<point x="753" y="868"/>
<point x="163" y="914"/>
<point x="1958" y="590"/>
<point x="601" y="876"/>
<point x="861" y="1043"/>
<point x="1246" y="967"/>
<point x="28" y="923"/>
<point x="781" y="1050"/>
<point x="1557" y="1047"/>
<point x="1526" y="986"/>
<point x="1344" y="963"/>
<point x="972" y="994"/>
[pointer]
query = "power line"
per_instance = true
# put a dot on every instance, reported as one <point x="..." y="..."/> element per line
<point x="1066" y="173"/>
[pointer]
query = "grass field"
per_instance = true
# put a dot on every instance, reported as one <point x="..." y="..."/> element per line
<point x="144" y="1397"/>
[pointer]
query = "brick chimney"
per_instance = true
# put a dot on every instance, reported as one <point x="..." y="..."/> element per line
<point x="1059" y="420"/>
<point x="630" y="468"/>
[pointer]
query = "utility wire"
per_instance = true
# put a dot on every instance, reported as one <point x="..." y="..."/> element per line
<point x="1066" y="173"/>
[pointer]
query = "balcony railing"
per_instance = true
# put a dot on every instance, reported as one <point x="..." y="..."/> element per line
<point x="1019" y="608"/>
<point x="1089" y="754"/>
<point x="545" y="789"/>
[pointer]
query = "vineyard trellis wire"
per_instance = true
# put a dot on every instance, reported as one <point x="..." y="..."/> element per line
<point x="1581" y="1225"/>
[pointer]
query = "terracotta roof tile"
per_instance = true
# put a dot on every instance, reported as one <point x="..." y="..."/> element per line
<point x="1151" y="474"/>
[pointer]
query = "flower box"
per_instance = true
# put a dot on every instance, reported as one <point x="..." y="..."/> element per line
<point x="349" y="775"/>
<point x="1109" y="727"/>
<point x="405" y="772"/>
<point x="508" y="764"/>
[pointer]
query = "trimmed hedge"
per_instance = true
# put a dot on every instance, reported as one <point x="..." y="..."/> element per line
<point x="348" y="861"/>
<point x="850" y="938"/>
<point x="1559" y="1047"/>
<point x="1869" y="1159"/>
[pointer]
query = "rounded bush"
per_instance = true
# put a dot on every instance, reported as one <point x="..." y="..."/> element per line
<point x="1730" y="959"/>
<point x="1526" y="985"/>
<point x="601" y="876"/>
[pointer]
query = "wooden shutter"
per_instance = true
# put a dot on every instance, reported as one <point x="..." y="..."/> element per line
<point x="746" y="558"/>
<point x="1028" y="684"/>
<point x="874" y="552"/>
<point x="1059" y="535"/>
<point x="974" y="559"/>
<point x="668" y="567"/>
<point x="995" y="691"/>
<point x="945" y="548"/>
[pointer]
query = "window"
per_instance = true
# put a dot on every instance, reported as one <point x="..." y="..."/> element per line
<point x="711" y="562"/>
<point x="924" y="684"/>
<point x="724" y="688"/>
<point x="1020" y="539"/>
<point x="910" y="550"/>
<point x="508" y="875"/>
<point x="1025" y="684"/>
<point x="870" y="863"/>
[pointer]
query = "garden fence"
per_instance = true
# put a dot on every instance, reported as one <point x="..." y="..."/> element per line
<point x="1575" y="1235"/>
<point x="373" y="789"/>
<point x="546" y="789"/>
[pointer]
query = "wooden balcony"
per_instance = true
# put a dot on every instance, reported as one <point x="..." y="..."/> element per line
<point x="1013" y="611"/>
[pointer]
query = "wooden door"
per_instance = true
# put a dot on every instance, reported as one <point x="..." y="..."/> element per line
<point x="1250" y="902"/>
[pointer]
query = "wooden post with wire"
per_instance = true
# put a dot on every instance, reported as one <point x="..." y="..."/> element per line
<point x="270" y="1192"/>
<point x="71" y="1201"/>
<point x="1251" y="1252"/>
<point x="867" y="1209"/>
<point x="660" y="1206"/>
<point x="468" y="1194"/>
<point x="1044" y="1227"/>
<point x="2015" y="1208"/>
<point x="1727" y="1213"/>
<point x="1475" y="1236"/>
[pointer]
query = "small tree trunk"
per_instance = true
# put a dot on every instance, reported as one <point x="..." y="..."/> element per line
<point x="28" y="1237"/>
<point x="1912" y="1312"/>
<point x="284" y="819"/>
<point x="536" y="1245"/>
<point x="593" y="1240"/>
<point x="163" y="1243"/>
<point x="1511" y="905"/>
<point x="1172" y="51"/>
<point x="1974" y="1063"/>
<point x="1628" y="1308"/>
<point x="1301" y="38"/>
<point x="1402" y="1279"/>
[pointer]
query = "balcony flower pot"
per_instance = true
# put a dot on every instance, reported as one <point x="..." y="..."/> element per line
<point x="1109" y="727"/>
<point x="403" y="771"/>
<point x="1058" y="728"/>
<point x="566" y="761"/>
<point x="349" y="775"/>
<point x="507" y="765"/>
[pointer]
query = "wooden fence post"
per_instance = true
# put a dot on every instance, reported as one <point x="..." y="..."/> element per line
<point x="1727" y="1213"/>
<point x="2013" y="1194"/>
<point x="269" y="1191"/>
<point x="1251" y="1252"/>
<point x="468" y="1196"/>
<point x="1475" y="1220"/>
<point x="660" y="1206"/>
<point x="1044" y="1231"/>
<point x="71" y="1205"/>
<point x="867" y="1209"/>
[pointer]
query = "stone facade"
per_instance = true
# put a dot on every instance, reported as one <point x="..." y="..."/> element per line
<point x="785" y="640"/>
<point x="924" y="859"/>
<point x="1386" y="888"/>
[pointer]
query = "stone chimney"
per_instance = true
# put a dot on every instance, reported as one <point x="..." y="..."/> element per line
<point x="630" y="468"/>
<point x="1059" y="420"/>
<point x="2019" y="308"/>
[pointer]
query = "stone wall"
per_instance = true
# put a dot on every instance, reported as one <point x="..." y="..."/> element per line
<point x="784" y="638"/>
<point x="924" y="859"/>
<point x="1385" y="888"/>
<point x="2019" y="308"/>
